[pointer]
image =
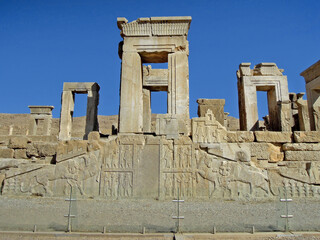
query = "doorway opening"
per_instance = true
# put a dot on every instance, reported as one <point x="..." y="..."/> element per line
<point x="159" y="102"/>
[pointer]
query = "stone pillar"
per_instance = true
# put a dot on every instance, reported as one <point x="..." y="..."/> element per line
<point x="146" y="110"/>
<point x="285" y="117"/>
<point x="178" y="89"/>
<point x="249" y="118"/>
<point x="41" y="119"/>
<point x="131" y="99"/>
<point x="304" y="121"/>
<point x="92" y="113"/>
<point x="67" y="108"/>
<point x="277" y="111"/>
<point x="316" y="114"/>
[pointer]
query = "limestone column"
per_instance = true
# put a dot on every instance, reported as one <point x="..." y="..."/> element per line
<point x="146" y="110"/>
<point x="277" y="111"/>
<point x="131" y="98"/>
<point x="304" y="121"/>
<point x="92" y="113"/>
<point x="285" y="116"/>
<point x="67" y="108"/>
<point x="178" y="86"/>
<point x="248" y="114"/>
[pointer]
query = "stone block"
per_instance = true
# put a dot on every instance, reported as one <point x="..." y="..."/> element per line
<point x="6" y="153"/>
<point x="18" y="142"/>
<point x="240" y="136"/>
<point x="306" y="136"/>
<point x="46" y="149"/>
<point x="301" y="147"/>
<point x="302" y="155"/>
<point x="20" y="153"/>
<point x="273" y="137"/>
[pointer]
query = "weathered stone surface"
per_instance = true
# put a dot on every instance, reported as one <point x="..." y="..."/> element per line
<point x="301" y="147"/>
<point x="307" y="136"/>
<point x="302" y="155"/>
<point x="273" y="137"/>
<point x="215" y="105"/>
<point x="6" y="153"/>
<point x="207" y="129"/>
<point x="6" y="163"/>
<point x="46" y="149"/>
<point x="20" y="153"/>
<point x="239" y="136"/>
<point x="18" y="142"/>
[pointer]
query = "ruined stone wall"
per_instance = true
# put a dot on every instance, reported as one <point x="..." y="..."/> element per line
<point x="247" y="165"/>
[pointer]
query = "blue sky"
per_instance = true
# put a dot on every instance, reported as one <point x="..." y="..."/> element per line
<point x="46" y="43"/>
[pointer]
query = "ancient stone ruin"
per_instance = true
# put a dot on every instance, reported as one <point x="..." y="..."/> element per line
<point x="138" y="155"/>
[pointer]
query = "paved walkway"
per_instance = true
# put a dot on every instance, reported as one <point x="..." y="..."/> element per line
<point x="161" y="236"/>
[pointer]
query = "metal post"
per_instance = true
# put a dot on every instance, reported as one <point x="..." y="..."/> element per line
<point x="69" y="216"/>
<point x="287" y="215"/>
<point x="178" y="217"/>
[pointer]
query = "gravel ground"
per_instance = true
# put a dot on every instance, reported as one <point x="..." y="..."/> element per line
<point x="21" y="214"/>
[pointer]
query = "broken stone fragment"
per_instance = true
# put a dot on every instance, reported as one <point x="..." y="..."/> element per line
<point x="267" y="151"/>
<point x="307" y="136"/>
<point x="46" y="149"/>
<point x="94" y="136"/>
<point x="31" y="150"/>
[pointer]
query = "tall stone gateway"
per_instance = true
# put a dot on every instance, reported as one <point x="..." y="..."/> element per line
<point x="153" y="40"/>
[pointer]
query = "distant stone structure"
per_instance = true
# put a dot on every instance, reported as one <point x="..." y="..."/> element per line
<point x="312" y="77"/>
<point x="42" y="117"/>
<point x="67" y="107"/>
<point x="148" y="156"/>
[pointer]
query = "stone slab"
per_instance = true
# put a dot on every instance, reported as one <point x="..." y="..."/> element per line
<point x="307" y="136"/>
<point x="18" y="142"/>
<point x="302" y="156"/>
<point x="47" y="110"/>
<point x="301" y="147"/>
<point x="273" y="137"/>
